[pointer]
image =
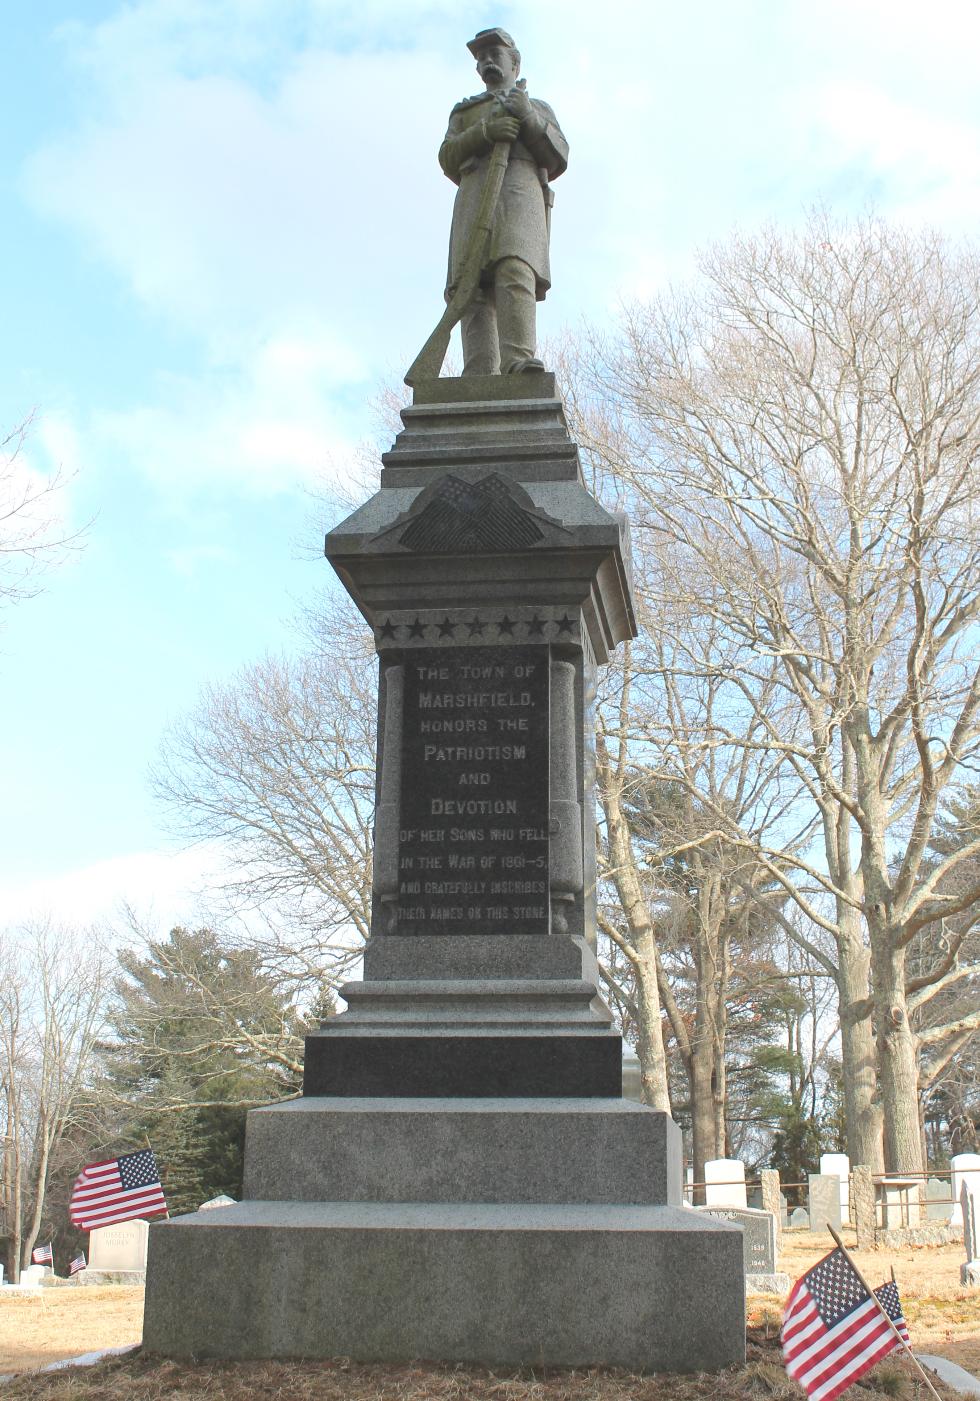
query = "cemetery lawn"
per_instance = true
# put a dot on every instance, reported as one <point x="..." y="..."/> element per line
<point x="65" y="1322"/>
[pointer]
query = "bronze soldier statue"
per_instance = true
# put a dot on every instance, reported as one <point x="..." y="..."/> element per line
<point x="498" y="324"/>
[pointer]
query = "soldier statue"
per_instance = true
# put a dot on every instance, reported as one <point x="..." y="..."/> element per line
<point x="498" y="323"/>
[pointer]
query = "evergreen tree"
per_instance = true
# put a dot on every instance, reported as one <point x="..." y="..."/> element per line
<point x="202" y="1032"/>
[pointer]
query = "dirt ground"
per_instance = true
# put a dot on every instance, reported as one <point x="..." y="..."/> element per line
<point x="65" y="1322"/>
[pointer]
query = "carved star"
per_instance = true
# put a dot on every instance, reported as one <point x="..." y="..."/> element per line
<point x="446" y="627"/>
<point x="476" y="627"/>
<point x="535" y="627"/>
<point x="566" y="624"/>
<point x="506" y="627"/>
<point x="416" y="629"/>
<point x="387" y="630"/>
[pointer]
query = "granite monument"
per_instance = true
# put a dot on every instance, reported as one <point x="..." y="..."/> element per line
<point x="462" y="1178"/>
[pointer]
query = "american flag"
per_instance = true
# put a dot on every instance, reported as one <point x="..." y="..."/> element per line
<point x="892" y="1304"/>
<point x="120" y="1189"/>
<point x="42" y="1255"/>
<point x="833" y="1331"/>
<point x="79" y="1263"/>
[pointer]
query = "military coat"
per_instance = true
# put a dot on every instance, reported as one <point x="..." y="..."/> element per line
<point x="522" y="221"/>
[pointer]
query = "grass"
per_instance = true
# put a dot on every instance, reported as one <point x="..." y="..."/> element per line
<point x="141" y="1378"/>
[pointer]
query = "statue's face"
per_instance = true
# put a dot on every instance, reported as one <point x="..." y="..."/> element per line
<point x="496" y="66"/>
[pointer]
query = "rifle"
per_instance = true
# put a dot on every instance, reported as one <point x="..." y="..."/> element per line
<point x="428" y="362"/>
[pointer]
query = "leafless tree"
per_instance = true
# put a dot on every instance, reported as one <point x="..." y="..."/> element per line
<point x="32" y="538"/>
<point x="664" y="773"/>
<point x="52" y="989"/>
<point x="802" y="430"/>
<point x="279" y="766"/>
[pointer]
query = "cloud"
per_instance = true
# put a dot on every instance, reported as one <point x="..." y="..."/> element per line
<point x="228" y="209"/>
<point x="928" y="162"/>
<point x="153" y="883"/>
<point x="263" y="424"/>
<point x="189" y="559"/>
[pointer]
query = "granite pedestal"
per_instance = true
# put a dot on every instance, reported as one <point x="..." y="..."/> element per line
<point x="462" y="1179"/>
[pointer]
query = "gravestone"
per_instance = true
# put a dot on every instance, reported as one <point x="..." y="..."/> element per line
<point x="964" y="1169"/>
<point x="799" y="1218"/>
<point x="759" y="1247"/>
<point x="823" y="1202"/>
<point x="118" y="1252"/>
<point x="783" y="1210"/>
<point x="462" y="1178"/>
<point x="863" y="1206"/>
<point x="938" y="1204"/>
<point x="631" y="1079"/>
<point x="838" y="1165"/>
<point x="214" y="1202"/>
<point x="970" y="1270"/>
<point x="724" y="1183"/>
<point x="773" y="1200"/>
<point x="33" y="1275"/>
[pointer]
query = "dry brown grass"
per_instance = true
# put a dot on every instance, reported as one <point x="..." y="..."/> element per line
<point x="65" y="1322"/>
<point x="943" y="1318"/>
<point x="139" y="1378"/>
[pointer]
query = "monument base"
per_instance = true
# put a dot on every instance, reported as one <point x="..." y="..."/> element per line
<point x="129" y="1277"/>
<point x="777" y="1283"/>
<point x="648" y="1288"/>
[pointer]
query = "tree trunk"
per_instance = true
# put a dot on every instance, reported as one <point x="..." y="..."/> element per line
<point x="897" y="1060"/>
<point x="40" y="1187"/>
<point x="650" y="1039"/>
<point x="719" y="1099"/>
<point x="858" y="1062"/>
<point x="626" y="879"/>
<point x="702" y="1114"/>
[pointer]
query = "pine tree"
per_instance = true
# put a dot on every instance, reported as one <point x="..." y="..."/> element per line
<point x="202" y="1032"/>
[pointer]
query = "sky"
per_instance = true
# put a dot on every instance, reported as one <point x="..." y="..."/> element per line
<point x="223" y="231"/>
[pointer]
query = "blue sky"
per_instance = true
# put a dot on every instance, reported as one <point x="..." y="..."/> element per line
<point x="223" y="229"/>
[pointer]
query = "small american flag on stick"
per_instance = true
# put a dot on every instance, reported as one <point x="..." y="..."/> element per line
<point x="833" y="1330"/>
<point x="892" y="1304"/>
<point x="120" y="1189"/>
<point x="79" y="1263"/>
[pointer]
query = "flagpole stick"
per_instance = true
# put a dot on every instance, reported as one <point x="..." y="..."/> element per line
<point x="884" y="1312"/>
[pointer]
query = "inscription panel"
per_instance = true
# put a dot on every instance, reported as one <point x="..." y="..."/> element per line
<point x="758" y="1236"/>
<point x="473" y="837"/>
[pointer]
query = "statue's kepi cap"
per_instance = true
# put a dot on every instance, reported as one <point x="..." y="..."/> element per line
<point x="490" y="36"/>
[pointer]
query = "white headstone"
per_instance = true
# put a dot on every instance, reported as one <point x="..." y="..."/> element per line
<point x="724" y="1183"/>
<point x="216" y="1201"/>
<point x="965" y="1169"/>
<point x="838" y="1165"/>
<point x="119" y="1247"/>
<point x="33" y="1274"/>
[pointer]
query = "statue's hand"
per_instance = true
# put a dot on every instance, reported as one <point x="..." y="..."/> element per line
<point x="501" y="126"/>
<point x="519" y="103"/>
